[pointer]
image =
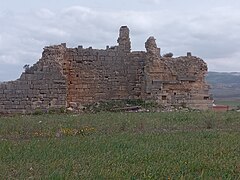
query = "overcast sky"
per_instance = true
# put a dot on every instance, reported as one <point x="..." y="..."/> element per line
<point x="209" y="29"/>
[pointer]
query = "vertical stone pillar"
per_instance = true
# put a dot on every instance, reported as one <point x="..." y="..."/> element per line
<point x="124" y="40"/>
<point x="151" y="47"/>
<point x="189" y="54"/>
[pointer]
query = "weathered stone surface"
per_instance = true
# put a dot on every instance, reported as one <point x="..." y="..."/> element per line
<point x="72" y="77"/>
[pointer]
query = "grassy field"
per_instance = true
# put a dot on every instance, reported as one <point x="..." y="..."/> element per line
<point x="177" y="145"/>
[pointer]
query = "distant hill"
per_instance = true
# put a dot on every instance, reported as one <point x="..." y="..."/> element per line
<point x="224" y="85"/>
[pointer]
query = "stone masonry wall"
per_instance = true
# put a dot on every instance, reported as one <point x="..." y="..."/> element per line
<point x="41" y="86"/>
<point x="72" y="77"/>
<point x="176" y="81"/>
<point x="100" y="75"/>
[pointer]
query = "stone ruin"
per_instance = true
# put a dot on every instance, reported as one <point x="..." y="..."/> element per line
<point x="72" y="77"/>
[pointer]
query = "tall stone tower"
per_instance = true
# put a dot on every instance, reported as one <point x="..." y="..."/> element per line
<point x="124" y="40"/>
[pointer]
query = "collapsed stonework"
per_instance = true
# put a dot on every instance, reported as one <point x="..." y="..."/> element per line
<point x="66" y="77"/>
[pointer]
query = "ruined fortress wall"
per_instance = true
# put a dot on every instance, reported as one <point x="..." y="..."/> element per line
<point x="42" y="86"/>
<point x="175" y="81"/>
<point x="71" y="77"/>
<point x="100" y="75"/>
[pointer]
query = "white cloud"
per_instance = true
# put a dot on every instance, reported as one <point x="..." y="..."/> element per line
<point x="78" y="10"/>
<point x="212" y="34"/>
<point x="8" y="59"/>
<point x="156" y="2"/>
<point x="45" y="13"/>
<point x="227" y="64"/>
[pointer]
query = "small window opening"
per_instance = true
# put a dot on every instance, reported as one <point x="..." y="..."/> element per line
<point x="206" y="98"/>
<point x="164" y="97"/>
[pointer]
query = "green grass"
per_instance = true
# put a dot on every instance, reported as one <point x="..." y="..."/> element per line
<point x="177" y="145"/>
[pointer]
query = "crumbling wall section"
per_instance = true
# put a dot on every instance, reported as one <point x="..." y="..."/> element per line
<point x="113" y="73"/>
<point x="157" y="73"/>
<point x="72" y="77"/>
<point x="100" y="75"/>
<point x="175" y="81"/>
<point x="42" y="86"/>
